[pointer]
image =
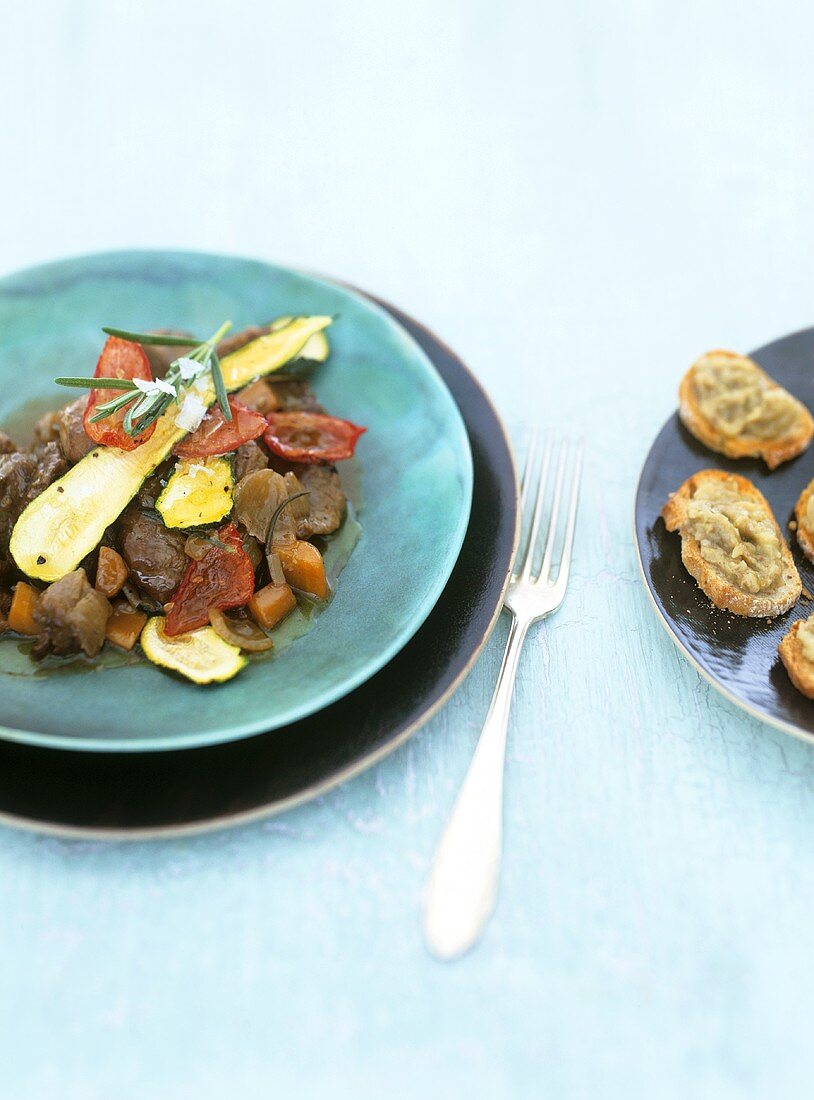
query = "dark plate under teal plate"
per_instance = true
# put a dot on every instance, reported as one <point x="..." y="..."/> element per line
<point x="153" y="794"/>
<point x="739" y="656"/>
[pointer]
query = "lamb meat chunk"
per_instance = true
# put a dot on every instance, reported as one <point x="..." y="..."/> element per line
<point x="23" y="476"/>
<point x="7" y="445"/>
<point x="154" y="555"/>
<point x="258" y="395"/>
<point x="248" y="458"/>
<point x="326" y="503"/>
<point x="46" y="430"/>
<point x="239" y="340"/>
<point x="153" y="486"/>
<point x="72" y="616"/>
<point x="17" y="471"/>
<point x="50" y="465"/>
<point x="295" y="395"/>
<point x="73" y="440"/>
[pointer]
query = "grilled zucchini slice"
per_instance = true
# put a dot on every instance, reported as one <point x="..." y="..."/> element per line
<point x="63" y="524"/>
<point x="316" y="350"/>
<point x="202" y="656"/>
<point x="198" y="493"/>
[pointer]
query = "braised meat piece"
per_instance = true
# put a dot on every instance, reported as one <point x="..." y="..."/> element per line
<point x="296" y="395"/>
<point x="258" y="395"/>
<point x="7" y="445"/>
<point x="73" y="440"/>
<point x="72" y="616"/>
<point x="50" y="465"/>
<point x="326" y="501"/>
<point x="248" y="458"/>
<point x="16" y="471"/>
<point x="154" y="555"/>
<point x="152" y="488"/>
<point x="46" y="430"/>
<point x="24" y="476"/>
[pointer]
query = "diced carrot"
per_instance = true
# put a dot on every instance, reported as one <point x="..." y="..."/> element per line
<point x="304" y="568"/>
<point x="270" y="605"/>
<point x="21" y="612"/>
<point x="124" y="627"/>
<point x="111" y="572"/>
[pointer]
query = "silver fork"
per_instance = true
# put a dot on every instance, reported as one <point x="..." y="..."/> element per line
<point x="462" y="887"/>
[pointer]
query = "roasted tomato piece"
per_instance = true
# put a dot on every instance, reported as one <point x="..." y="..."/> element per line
<point x="222" y="578"/>
<point x="119" y="359"/>
<point x="217" y="436"/>
<point x="310" y="437"/>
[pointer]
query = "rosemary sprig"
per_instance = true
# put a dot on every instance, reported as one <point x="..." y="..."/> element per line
<point x="143" y="409"/>
<point x="103" y="411"/>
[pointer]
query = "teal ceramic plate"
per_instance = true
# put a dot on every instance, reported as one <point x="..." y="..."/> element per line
<point x="414" y="461"/>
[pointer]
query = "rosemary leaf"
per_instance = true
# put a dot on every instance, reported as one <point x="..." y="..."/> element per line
<point x="164" y="339"/>
<point x="220" y="387"/>
<point x="109" y="407"/>
<point x="96" y="383"/>
<point x="150" y="417"/>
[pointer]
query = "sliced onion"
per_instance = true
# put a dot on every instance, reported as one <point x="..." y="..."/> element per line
<point x="240" y="632"/>
<point x="275" y="570"/>
<point x="254" y="549"/>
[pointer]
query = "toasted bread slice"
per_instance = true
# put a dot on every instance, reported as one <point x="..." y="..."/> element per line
<point x="798" y="666"/>
<point x="805" y="529"/>
<point x="737" y="572"/>
<point x="734" y="407"/>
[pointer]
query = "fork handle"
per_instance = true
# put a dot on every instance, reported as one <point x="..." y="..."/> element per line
<point x="462" y="886"/>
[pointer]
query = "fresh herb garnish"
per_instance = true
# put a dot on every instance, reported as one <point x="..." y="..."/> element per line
<point x="220" y="387"/>
<point x="163" y="339"/>
<point x="96" y="383"/>
<point x="145" y="403"/>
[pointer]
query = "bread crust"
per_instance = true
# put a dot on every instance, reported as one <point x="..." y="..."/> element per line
<point x="773" y="451"/>
<point x="723" y="594"/>
<point x="805" y="535"/>
<point x="800" y="670"/>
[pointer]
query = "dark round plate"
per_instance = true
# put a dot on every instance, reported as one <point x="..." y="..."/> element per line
<point x="738" y="656"/>
<point x="135" y="795"/>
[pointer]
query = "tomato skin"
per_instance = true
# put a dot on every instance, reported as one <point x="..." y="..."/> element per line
<point x="119" y="359"/>
<point x="221" y="579"/>
<point x="217" y="436"/>
<point x="311" y="437"/>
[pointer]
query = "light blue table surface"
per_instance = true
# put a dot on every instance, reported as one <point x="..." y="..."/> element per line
<point x="579" y="198"/>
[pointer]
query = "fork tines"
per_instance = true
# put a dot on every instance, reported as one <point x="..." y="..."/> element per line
<point x="547" y="538"/>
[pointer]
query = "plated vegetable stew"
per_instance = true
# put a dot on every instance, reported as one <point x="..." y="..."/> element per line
<point x="179" y="504"/>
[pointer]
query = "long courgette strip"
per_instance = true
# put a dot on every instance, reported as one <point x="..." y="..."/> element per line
<point x="63" y="524"/>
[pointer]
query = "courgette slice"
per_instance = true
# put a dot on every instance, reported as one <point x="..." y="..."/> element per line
<point x="201" y="655"/>
<point x="199" y="492"/>
<point x="63" y="524"/>
<point x="316" y="350"/>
